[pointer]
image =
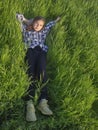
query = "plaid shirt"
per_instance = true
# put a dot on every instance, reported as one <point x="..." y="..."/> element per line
<point x="33" y="38"/>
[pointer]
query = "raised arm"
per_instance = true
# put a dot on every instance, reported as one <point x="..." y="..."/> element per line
<point x="51" y="24"/>
<point x="22" y="19"/>
<point x="58" y="19"/>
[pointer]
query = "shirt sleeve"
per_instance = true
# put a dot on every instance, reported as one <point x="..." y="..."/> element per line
<point x="23" y="27"/>
<point x="49" y="25"/>
<point x="25" y="33"/>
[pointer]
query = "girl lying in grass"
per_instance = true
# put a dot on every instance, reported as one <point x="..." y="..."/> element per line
<point x="34" y="36"/>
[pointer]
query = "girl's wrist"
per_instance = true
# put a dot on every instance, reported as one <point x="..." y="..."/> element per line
<point x="58" y="19"/>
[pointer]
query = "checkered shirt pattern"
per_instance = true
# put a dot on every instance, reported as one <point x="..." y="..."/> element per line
<point x="33" y="38"/>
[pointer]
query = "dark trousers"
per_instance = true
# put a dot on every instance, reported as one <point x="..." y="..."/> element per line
<point x="36" y="60"/>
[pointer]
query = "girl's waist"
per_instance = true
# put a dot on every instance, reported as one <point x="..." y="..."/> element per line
<point x="38" y="48"/>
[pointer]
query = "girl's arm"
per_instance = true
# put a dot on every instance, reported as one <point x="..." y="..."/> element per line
<point x="51" y="24"/>
<point x="23" y="20"/>
<point x="28" y="22"/>
<point x="58" y="19"/>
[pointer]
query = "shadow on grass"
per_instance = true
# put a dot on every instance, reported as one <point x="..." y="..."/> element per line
<point x="95" y="107"/>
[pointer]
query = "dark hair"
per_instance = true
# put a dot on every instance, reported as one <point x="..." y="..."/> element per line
<point x="30" y="27"/>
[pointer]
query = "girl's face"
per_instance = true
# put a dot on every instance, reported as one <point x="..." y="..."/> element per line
<point x="38" y="25"/>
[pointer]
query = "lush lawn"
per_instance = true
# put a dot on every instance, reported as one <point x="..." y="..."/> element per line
<point x="72" y="65"/>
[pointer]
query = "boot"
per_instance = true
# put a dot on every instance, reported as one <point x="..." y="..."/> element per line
<point x="30" y="114"/>
<point x="44" y="108"/>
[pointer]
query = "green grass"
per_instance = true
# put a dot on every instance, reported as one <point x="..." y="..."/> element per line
<point x="72" y="65"/>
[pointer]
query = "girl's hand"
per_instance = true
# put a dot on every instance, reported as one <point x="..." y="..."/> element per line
<point x="58" y="19"/>
<point x="20" y="17"/>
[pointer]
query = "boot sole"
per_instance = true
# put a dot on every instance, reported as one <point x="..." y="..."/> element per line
<point x="31" y="120"/>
